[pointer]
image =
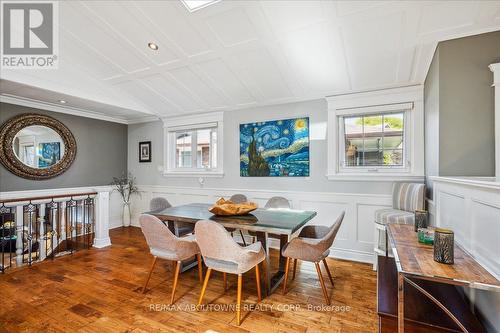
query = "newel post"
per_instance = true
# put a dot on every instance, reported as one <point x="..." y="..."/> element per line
<point x="101" y="238"/>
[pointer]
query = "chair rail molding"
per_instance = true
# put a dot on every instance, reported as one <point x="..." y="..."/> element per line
<point x="355" y="238"/>
<point x="495" y="68"/>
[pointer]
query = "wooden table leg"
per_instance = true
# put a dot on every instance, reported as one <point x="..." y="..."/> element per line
<point x="401" y="304"/>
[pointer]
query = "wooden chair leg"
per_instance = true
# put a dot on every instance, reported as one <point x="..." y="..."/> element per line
<point x="207" y="276"/>
<point x="176" y="278"/>
<point x="149" y="275"/>
<point x="238" y="300"/>
<point x="200" y="268"/>
<point x="322" y="282"/>
<point x="286" y="275"/>
<point x="243" y="238"/>
<point x="294" y="268"/>
<point x="224" y="277"/>
<point x="257" y="280"/>
<point x="328" y="271"/>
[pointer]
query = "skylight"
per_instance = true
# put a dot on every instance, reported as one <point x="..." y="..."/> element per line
<point x="194" y="5"/>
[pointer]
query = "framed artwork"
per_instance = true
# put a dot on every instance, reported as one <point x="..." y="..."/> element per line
<point x="278" y="148"/>
<point x="145" y="151"/>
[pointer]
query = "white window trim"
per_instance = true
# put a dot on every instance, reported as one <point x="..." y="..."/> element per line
<point x="387" y="100"/>
<point x="171" y="125"/>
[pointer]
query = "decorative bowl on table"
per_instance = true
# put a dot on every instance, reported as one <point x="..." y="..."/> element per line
<point x="227" y="207"/>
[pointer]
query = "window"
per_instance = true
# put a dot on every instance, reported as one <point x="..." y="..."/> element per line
<point x="373" y="140"/>
<point x="193" y="148"/>
<point x="203" y="142"/>
<point x="376" y="135"/>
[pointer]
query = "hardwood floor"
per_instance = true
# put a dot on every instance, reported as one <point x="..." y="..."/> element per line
<point x="99" y="290"/>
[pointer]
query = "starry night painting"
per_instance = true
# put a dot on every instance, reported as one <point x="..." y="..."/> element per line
<point x="278" y="148"/>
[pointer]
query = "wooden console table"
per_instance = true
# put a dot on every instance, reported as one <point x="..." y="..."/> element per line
<point x="415" y="267"/>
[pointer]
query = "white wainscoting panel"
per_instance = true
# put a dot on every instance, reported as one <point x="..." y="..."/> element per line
<point x="355" y="238"/>
<point x="472" y="211"/>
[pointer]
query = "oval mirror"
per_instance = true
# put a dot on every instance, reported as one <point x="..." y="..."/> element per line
<point x="38" y="147"/>
<point x="35" y="146"/>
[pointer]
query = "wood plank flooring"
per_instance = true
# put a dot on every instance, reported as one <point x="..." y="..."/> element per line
<point x="98" y="290"/>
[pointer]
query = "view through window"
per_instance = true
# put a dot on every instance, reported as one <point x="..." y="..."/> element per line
<point x="374" y="140"/>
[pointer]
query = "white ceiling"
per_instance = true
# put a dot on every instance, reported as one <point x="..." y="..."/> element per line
<point x="237" y="54"/>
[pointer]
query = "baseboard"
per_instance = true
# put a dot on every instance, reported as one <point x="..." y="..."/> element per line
<point x="102" y="242"/>
<point x="352" y="255"/>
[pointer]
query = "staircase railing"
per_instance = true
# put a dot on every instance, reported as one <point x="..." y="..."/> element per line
<point x="34" y="229"/>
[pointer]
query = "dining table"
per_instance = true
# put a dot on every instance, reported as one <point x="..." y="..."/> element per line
<point x="265" y="222"/>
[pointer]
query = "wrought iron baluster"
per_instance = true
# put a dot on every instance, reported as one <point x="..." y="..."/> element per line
<point x="53" y="212"/>
<point x="30" y="211"/>
<point x="89" y="204"/>
<point x="3" y="241"/>
<point x="70" y="213"/>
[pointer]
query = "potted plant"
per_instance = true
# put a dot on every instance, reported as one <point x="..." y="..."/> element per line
<point x="126" y="186"/>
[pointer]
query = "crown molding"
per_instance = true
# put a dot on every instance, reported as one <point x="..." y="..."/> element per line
<point x="33" y="103"/>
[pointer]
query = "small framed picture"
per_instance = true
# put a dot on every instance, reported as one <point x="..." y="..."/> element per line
<point x="145" y="151"/>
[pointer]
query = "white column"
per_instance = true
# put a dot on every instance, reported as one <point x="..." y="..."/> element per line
<point x="495" y="68"/>
<point x="19" y="230"/>
<point x="101" y="238"/>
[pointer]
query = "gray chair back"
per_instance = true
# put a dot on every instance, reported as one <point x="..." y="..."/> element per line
<point x="277" y="202"/>
<point x="158" y="204"/>
<point x="238" y="198"/>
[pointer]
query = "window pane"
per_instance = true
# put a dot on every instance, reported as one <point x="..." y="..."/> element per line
<point x="374" y="140"/>
<point x="203" y="148"/>
<point x="393" y="157"/>
<point x="353" y="129"/>
<point x="214" y="147"/>
<point x="372" y="151"/>
<point x="183" y="150"/>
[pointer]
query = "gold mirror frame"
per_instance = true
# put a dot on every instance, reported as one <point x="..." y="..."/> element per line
<point x="9" y="159"/>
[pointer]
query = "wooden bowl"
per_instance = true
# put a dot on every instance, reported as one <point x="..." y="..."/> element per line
<point x="226" y="208"/>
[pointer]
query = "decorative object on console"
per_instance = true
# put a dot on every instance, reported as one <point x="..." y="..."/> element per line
<point x="144" y="151"/>
<point x="126" y="186"/>
<point x="36" y="146"/>
<point x="444" y="246"/>
<point x="227" y="207"/>
<point x="426" y="236"/>
<point x="420" y="219"/>
<point x="277" y="148"/>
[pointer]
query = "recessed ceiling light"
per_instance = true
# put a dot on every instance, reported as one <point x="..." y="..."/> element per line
<point x="153" y="46"/>
<point x="62" y="101"/>
<point x="194" y="5"/>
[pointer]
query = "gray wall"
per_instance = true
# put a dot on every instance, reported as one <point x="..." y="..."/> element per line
<point x="101" y="152"/>
<point x="459" y="107"/>
<point x="459" y="123"/>
<point x="431" y="125"/>
<point x="148" y="174"/>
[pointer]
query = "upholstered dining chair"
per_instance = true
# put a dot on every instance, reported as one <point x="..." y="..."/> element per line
<point x="406" y="198"/>
<point x="238" y="198"/>
<point x="221" y="253"/>
<point x="159" y="204"/>
<point x="313" y="245"/>
<point x="164" y="244"/>
<point x="274" y="202"/>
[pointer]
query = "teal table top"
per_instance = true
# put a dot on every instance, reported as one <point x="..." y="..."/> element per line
<point x="277" y="221"/>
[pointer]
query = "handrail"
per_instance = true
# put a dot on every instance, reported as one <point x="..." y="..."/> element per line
<point x="48" y="197"/>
